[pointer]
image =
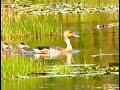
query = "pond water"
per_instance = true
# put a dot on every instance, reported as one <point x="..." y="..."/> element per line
<point x="92" y="41"/>
<point x="65" y="83"/>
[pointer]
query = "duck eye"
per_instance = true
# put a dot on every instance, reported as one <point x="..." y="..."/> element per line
<point x="6" y="43"/>
<point x="22" y="43"/>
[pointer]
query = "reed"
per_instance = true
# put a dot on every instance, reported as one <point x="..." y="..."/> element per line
<point x="13" y="67"/>
<point x="27" y="25"/>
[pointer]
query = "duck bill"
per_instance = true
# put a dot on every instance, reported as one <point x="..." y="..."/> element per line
<point x="27" y="46"/>
<point x="10" y="46"/>
<point x="36" y="50"/>
<point x="75" y="35"/>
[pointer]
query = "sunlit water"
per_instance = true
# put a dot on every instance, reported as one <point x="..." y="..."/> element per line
<point x="91" y="42"/>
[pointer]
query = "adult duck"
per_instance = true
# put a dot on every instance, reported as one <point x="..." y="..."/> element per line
<point x="55" y="49"/>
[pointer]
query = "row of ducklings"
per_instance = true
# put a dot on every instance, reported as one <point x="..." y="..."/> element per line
<point x="7" y="49"/>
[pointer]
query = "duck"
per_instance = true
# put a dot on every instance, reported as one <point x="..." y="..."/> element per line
<point x="6" y="49"/>
<point x="21" y="47"/>
<point x="56" y="49"/>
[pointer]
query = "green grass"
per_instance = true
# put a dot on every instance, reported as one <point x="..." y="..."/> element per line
<point x="20" y="66"/>
<point x="27" y="25"/>
<point x="62" y="70"/>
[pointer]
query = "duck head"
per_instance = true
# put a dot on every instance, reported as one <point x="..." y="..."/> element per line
<point x="6" y="49"/>
<point x="22" y="45"/>
<point x="6" y="46"/>
<point x="68" y="34"/>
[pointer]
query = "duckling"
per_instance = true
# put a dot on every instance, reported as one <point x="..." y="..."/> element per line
<point x="6" y="49"/>
<point x="21" y="47"/>
<point x="55" y="49"/>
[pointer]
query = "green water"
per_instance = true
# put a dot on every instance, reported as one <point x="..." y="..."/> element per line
<point x="89" y="43"/>
<point x="75" y="83"/>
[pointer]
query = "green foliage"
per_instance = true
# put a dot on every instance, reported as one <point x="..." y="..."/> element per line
<point x="23" y="25"/>
<point x="88" y="69"/>
<point x="19" y="66"/>
<point x="62" y="70"/>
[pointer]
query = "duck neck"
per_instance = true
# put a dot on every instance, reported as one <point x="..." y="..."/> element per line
<point x="22" y="50"/>
<point x="69" y="46"/>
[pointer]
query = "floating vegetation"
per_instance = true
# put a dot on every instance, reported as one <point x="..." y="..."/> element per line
<point x="60" y="8"/>
<point x="19" y="67"/>
<point x="62" y="70"/>
<point x="109" y="25"/>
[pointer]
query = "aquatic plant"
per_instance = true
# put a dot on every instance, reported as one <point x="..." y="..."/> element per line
<point x="27" y="25"/>
<point x="14" y="67"/>
<point x="62" y="69"/>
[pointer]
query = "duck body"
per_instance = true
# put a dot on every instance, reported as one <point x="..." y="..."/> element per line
<point x="47" y="49"/>
<point x="56" y="49"/>
<point x="54" y="55"/>
<point x="21" y="50"/>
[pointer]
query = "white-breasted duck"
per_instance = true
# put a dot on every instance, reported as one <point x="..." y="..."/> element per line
<point x="55" y="49"/>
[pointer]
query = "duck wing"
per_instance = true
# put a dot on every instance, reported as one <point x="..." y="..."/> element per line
<point x="43" y="47"/>
<point x="57" y="48"/>
<point x="50" y="47"/>
<point x="47" y="49"/>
